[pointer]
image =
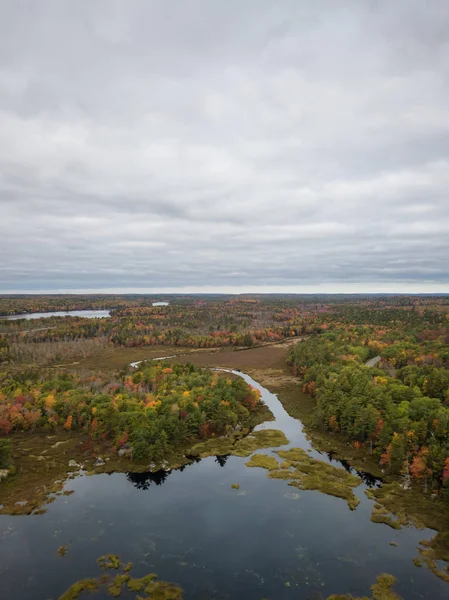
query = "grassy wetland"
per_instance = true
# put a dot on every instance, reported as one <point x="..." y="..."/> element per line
<point x="150" y="454"/>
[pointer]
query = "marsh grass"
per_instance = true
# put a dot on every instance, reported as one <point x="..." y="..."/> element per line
<point x="411" y="507"/>
<point x="239" y="446"/>
<point x="109" y="561"/>
<point x="311" y="474"/>
<point x="76" y="589"/>
<point x="385" y="518"/>
<point x="148" y="584"/>
<point x="264" y="461"/>
<point x="381" y="590"/>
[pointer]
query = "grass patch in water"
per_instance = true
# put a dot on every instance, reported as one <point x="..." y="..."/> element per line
<point x="235" y="486"/>
<point x="137" y="585"/>
<point x="266" y="438"/>
<point x="283" y="474"/>
<point x="109" y="561"/>
<point x="294" y="455"/>
<point x="115" y="588"/>
<point x="213" y="447"/>
<point x="239" y="446"/>
<point x="435" y="551"/>
<point x="149" y="584"/>
<point x="156" y="590"/>
<point x="264" y="461"/>
<point x="412" y="507"/>
<point x="75" y="590"/>
<point x="385" y="518"/>
<point x="312" y="474"/>
<point x="381" y="590"/>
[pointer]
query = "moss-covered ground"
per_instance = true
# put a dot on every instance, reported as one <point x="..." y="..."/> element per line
<point x="381" y="590"/>
<point x="238" y="445"/>
<point x="412" y="507"/>
<point x="307" y="473"/>
<point x="264" y="461"/>
<point x="149" y="585"/>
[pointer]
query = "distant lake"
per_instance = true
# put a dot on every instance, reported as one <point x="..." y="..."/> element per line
<point x="160" y="303"/>
<point x="87" y="314"/>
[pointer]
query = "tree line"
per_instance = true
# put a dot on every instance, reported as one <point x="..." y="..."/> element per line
<point x="399" y="410"/>
<point x="151" y="409"/>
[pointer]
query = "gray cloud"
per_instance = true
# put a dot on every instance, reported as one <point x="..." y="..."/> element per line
<point x="224" y="145"/>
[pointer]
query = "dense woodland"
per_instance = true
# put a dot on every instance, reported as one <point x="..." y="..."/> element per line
<point x="397" y="410"/>
<point x="149" y="410"/>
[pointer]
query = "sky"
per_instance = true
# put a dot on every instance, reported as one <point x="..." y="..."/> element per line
<point x="238" y="145"/>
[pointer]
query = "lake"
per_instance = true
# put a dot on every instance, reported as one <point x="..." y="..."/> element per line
<point x="87" y="314"/>
<point x="160" y="303"/>
<point x="264" y="540"/>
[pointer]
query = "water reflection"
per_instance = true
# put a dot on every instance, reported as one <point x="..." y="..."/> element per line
<point x="261" y="541"/>
<point x="87" y="314"/>
<point x="368" y="479"/>
<point x="142" y="481"/>
<point x="222" y="460"/>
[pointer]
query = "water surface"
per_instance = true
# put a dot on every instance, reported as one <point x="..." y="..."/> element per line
<point x="265" y="540"/>
<point x="87" y="314"/>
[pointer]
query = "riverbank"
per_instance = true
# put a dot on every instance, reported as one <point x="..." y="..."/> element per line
<point x="44" y="463"/>
<point x="168" y="522"/>
<point x="396" y="505"/>
<point x="267" y="367"/>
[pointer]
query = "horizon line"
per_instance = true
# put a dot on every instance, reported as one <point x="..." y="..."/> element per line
<point x="323" y="290"/>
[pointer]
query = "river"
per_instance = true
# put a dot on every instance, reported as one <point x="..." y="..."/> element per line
<point x="264" y="540"/>
<point x="87" y="314"/>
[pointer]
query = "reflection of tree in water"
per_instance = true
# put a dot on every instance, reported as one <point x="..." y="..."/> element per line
<point x="367" y="478"/>
<point x="142" y="481"/>
<point x="222" y="460"/>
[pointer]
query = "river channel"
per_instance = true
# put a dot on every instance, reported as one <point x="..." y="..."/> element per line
<point x="264" y="540"/>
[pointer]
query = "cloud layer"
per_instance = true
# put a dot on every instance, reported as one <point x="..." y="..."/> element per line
<point x="226" y="145"/>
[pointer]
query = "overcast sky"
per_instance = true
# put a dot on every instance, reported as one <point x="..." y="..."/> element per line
<point x="224" y="145"/>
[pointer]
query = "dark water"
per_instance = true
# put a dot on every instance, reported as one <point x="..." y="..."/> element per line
<point x="265" y="540"/>
<point x="87" y="314"/>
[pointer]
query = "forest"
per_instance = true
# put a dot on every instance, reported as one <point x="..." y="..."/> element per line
<point x="201" y="324"/>
<point x="147" y="411"/>
<point x="137" y="392"/>
<point x="398" y="410"/>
